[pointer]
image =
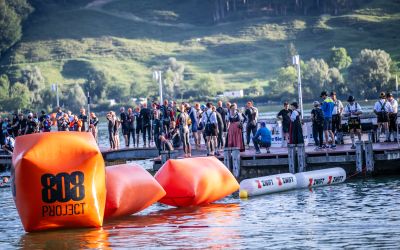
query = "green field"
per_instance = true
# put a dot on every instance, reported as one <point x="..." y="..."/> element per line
<point x="126" y="39"/>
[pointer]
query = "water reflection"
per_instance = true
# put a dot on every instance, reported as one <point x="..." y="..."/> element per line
<point x="213" y="226"/>
<point x="66" y="239"/>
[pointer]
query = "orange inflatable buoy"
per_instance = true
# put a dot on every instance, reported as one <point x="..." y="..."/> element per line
<point x="130" y="189"/>
<point x="195" y="181"/>
<point x="58" y="181"/>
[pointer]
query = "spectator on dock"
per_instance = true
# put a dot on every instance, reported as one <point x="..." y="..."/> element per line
<point x="392" y="116"/>
<point x="9" y="143"/>
<point x="317" y="118"/>
<point x="220" y="128"/>
<point x="210" y="128"/>
<point x="111" y="130"/>
<point x="337" y="118"/>
<point x="327" y="107"/>
<point x="183" y="119"/>
<point x="200" y="126"/>
<point x="75" y="125"/>
<point x="382" y="109"/>
<point x="59" y="118"/>
<point x="84" y="118"/>
<point x="93" y="125"/>
<point x="46" y="124"/>
<point x="284" y="116"/>
<point x="353" y="111"/>
<point x="251" y="114"/>
<point x="296" y="129"/>
<point x="235" y="129"/>
<point x="262" y="138"/>
<point x="166" y="115"/>
<point x="123" y="116"/>
<point x="19" y="126"/>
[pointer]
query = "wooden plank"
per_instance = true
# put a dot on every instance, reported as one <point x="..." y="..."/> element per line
<point x="330" y="159"/>
<point x="265" y="162"/>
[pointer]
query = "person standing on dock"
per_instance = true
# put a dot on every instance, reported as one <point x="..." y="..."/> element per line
<point x="111" y="128"/>
<point x="210" y="128"/>
<point x="183" y="119"/>
<point x="145" y="115"/>
<point x="392" y="116"/>
<point x="139" y="125"/>
<point x="353" y="111"/>
<point x="131" y="126"/>
<point x="317" y="118"/>
<point x="284" y="116"/>
<point x="337" y="118"/>
<point x="327" y="107"/>
<point x="235" y="129"/>
<point x="93" y="121"/>
<point x="84" y="118"/>
<point x="296" y="128"/>
<point x="222" y="133"/>
<point x="382" y="109"/>
<point x="251" y="114"/>
<point x="264" y="141"/>
<point x="125" y="125"/>
<point x="166" y="115"/>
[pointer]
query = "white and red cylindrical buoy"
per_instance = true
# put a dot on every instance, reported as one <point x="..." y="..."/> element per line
<point x="267" y="185"/>
<point x="320" y="177"/>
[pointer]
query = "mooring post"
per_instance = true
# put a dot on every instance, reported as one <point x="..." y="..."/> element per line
<point x="165" y="155"/>
<point x="228" y="158"/>
<point x="236" y="162"/>
<point x="359" y="156"/>
<point x="301" y="158"/>
<point x="291" y="158"/>
<point x="369" y="156"/>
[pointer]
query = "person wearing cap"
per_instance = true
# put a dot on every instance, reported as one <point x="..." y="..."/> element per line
<point x="382" y="109"/>
<point x="262" y="138"/>
<point x="392" y="116"/>
<point x="337" y="117"/>
<point x="317" y="118"/>
<point x="31" y="125"/>
<point x="284" y="116"/>
<point x="296" y="129"/>
<point x="327" y="107"/>
<point x="353" y="111"/>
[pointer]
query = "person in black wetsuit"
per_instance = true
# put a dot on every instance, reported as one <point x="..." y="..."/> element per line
<point x="166" y="115"/>
<point x="251" y="114"/>
<point x="284" y="116"/>
<point x="31" y="125"/>
<point x="111" y="129"/>
<point x="125" y="125"/>
<point x="139" y="125"/>
<point x="131" y="126"/>
<point x="296" y="129"/>
<point x="145" y="115"/>
<point x="20" y="125"/>
<point x="93" y="125"/>
<point x="222" y="127"/>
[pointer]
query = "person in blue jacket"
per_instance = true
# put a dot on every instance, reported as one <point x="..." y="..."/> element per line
<point x="327" y="107"/>
<point x="262" y="138"/>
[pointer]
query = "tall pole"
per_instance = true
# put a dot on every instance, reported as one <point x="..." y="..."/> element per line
<point x="296" y="61"/>
<point x="58" y="99"/>
<point x="88" y="107"/>
<point x="397" y="88"/>
<point x="160" y="87"/>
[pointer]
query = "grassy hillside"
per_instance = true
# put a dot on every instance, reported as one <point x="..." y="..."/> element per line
<point x="127" y="38"/>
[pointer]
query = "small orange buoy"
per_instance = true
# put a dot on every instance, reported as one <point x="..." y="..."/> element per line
<point x="130" y="189"/>
<point x="195" y="181"/>
<point x="58" y="181"/>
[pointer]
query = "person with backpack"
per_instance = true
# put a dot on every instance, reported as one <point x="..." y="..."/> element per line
<point x="317" y="118"/>
<point x="382" y="109"/>
<point x="392" y="116"/>
<point x="210" y="128"/>
<point x="353" y="112"/>
<point x="327" y="107"/>
<point x="9" y="143"/>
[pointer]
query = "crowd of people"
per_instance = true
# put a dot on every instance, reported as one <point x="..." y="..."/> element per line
<point x="170" y="125"/>
<point x="18" y="124"/>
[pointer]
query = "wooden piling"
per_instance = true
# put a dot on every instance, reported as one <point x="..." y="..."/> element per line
<point x="359" y="156"/>
<point x="301" y="158"/>
<point x="292" y="158"/>
<point x="369" y="156"/>
<point x="236" y="162"/>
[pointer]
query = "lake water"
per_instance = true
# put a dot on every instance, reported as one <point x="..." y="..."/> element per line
<point x="356" y="214"/>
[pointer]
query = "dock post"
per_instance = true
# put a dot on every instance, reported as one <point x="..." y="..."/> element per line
<point x="236" y="162"/>
<point x="228" y="158"/>
<point x="165" y="155"/>
<point x="291" y="158"/>
<point x="301" y="158"/>
<point x="369" y="156"/>
<point x="359" y="156"/>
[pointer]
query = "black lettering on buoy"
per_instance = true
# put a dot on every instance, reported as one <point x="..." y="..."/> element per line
<point x="45" y="209"/>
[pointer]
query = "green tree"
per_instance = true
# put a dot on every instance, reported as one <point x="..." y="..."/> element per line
<point x="10" y="26"/>
<point x="315" y="77"/>
<point x="290" y="52"/>
<point x="173" y="77"/>
<point x="283" y="86"/>
<point x="20" y="97"/>
<point x="33" y="79"/>
<point x="207" y="85"/>
<point x="255" y="89"/>
<point x="119" y="92"/>
<point x="335" y="82"/>
<point x="75" y="97"/>
<point x="370" y="73"/>
<point x="96" y="84"/>
<point x="4" y="87"/>
<point x="339" y="58"/>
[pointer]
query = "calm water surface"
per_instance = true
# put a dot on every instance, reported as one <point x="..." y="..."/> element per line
<point x="357" y="214"/>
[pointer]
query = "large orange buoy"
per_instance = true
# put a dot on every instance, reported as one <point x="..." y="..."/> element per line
<point x="58" y="181"/>
<point x="130" y="189"/>
<point x="195" y="181"/>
